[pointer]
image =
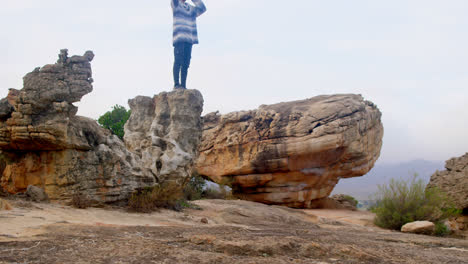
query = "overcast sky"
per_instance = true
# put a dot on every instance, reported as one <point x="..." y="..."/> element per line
<point x="410" y="57"/>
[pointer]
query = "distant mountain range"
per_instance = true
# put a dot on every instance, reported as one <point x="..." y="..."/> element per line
<point x="363" y="187"/>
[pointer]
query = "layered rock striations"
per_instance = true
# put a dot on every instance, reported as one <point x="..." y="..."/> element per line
<point x="291" y="153"/>
<point x="44" y="143"/>
<point x="165" y="131"/>
<point x="453" y="181"/>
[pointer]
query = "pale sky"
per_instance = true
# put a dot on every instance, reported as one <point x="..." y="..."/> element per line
<point x="410" y="57"/>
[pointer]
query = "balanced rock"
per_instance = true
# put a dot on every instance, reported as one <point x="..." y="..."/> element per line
<point x="43" y="143"/>
<point x="291" y="153"/>
<point x="419" y="227"/>
<point x="165" y="131"/>
<point x="453" y="181"/>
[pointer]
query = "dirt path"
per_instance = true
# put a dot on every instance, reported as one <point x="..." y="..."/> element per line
<point x="236" y="232"/>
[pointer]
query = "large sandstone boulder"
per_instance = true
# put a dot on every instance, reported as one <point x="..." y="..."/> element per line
<point x="291" y="153"/>
<point x="43" y="143"/>
<point x="165" y="131"/>
<point x="453" y="181"/>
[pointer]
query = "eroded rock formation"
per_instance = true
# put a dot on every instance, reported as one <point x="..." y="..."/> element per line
<point x="165" y="132"/>
<point x="44" y="143"/>
<point x="291" y="153"/>
<point x="454" y="181"/>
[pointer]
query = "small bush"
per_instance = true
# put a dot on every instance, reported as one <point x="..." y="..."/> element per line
<point x="168" y="195"/>
<point x="80" y="201"/>
<point x="193" y="190"/>
<point x="222" y="193"/>
<point x="441" y="229"/>
<point x="402" y="202"/>
<point x="351" y="200"/>
<point x="115" y="120"/>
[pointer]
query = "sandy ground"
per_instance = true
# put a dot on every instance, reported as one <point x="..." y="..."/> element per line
<point x="235" y="232"/>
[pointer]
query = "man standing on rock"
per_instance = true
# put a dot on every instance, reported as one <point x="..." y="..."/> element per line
<point x="184" y="36"/>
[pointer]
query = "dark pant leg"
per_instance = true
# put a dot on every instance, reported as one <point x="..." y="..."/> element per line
<point x="186" y="63"/>
<point x="178" y="61"/>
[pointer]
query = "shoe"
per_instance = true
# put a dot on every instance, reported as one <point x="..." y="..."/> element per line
<point x="179" y="87"/>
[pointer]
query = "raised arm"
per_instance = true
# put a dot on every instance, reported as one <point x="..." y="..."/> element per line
<point x="200" y="7"/>
<point x="174" y="3"/>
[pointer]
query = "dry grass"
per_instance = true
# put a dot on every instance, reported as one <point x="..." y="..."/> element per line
<point x="223" y="193"/>
<point x="80" y="201"/>
<point x="168" y="195"/>
<point x="4" y="205"/>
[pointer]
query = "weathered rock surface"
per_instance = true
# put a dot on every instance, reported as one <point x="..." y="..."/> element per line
<point x="36" y="194"/>
<point x="419" y="227"/>
<point x="44" y="143"/>
<point x="165" y="131"/>
<point x="453" y="181"/>
<point x="41" y="115"/>
<point x="291" y="153"/>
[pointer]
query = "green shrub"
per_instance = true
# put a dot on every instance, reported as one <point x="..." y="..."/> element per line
<point x="168" y="195"/>
<point x="351" y="200"/>
<point x="402" y="202"/>
<point x="441" y="229"/>
<point x="115" y="120"/>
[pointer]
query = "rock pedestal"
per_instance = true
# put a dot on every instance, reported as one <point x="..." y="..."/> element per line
<point x="291" y="153"/>
<point x="165" y="131"/>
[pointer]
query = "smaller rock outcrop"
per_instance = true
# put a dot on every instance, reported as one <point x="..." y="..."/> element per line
<point x="37" y="194"/>
<point x="342" y="201"/>
<point x="419" y="227"/>
<point x="40" y="116"/>
<point x="459" y="223"/>
<point x="453" y="181"/>
<point x="43" y="143"/>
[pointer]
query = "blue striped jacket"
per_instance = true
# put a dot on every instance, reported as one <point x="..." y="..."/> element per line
<point x="185" y="20"/>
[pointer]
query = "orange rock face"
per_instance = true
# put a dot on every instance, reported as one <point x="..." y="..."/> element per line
<point x="44" y="143"/>
<point x="291" y="153"/>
